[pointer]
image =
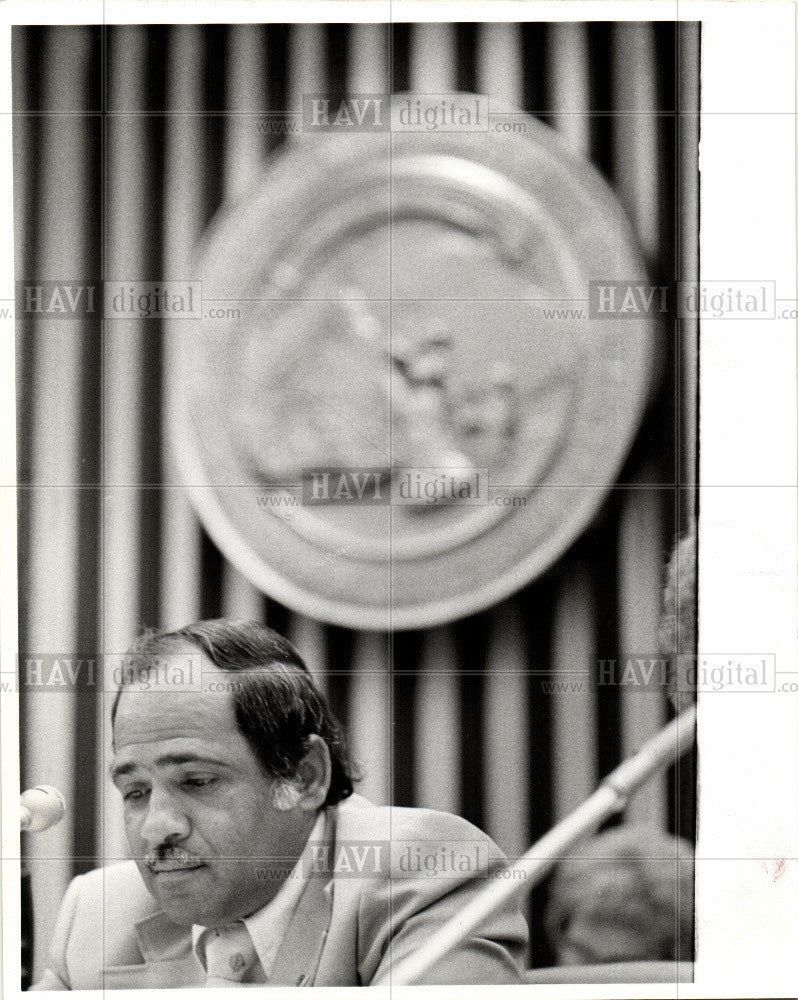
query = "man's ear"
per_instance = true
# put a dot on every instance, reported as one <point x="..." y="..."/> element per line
<point x="314" y="775"/>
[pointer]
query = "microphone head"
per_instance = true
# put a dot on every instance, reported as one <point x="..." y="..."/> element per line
<point x="44" y="806"/>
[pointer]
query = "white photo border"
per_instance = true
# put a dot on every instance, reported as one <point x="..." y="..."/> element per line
<point x="746" y="916"/>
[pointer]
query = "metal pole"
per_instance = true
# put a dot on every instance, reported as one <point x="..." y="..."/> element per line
<point x="521" y="876"/>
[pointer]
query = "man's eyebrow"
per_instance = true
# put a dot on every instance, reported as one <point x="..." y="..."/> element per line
<point x="188" y="758"/>
<point x="119" y="770"/>
<point x="166" y="760"/>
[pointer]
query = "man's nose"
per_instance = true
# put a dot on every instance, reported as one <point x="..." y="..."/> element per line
<point x="165" y="821"/>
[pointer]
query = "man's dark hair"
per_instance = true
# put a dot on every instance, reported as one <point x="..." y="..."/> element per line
<point x="277" y="704"/>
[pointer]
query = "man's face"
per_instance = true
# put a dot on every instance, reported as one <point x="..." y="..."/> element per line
<point x="198" y="807"/>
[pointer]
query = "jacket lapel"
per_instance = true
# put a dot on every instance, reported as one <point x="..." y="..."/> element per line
<point x="168" y="960"/>
<point x="160" y="940"/>
<point x="299" y="954"/>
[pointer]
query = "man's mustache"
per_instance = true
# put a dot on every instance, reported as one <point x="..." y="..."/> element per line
<point x="171" y="858"/>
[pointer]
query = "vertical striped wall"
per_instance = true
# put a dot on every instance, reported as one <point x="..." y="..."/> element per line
<point x="126" y="142"/>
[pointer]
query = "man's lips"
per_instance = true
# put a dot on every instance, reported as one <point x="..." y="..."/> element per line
<point x="173" y="865"/>
<point x="173" y="862"/>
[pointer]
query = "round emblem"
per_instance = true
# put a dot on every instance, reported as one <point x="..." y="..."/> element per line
<point x="398" y="408"/>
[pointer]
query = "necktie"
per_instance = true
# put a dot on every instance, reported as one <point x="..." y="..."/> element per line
<point x="229" y="955"/>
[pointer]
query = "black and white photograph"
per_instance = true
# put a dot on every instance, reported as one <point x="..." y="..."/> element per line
<point x="368" y="380"/>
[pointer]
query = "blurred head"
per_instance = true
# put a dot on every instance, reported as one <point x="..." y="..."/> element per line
<point x="626" y="895"/>
<point x="224" y="753"/>
<point x="677" y="627"/>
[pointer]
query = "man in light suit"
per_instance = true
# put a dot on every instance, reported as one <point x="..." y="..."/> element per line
<point x="252" y="860"/>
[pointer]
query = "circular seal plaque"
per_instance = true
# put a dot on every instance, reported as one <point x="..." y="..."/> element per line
<point x="398" y="407"/>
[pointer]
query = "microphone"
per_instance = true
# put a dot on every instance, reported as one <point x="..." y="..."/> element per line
<point x="519" y="877"/>
<point x="677" y="633"/>
<point x="40" y="808"/>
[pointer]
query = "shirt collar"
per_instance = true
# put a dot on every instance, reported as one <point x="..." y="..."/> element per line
<point x="267" y="925"/>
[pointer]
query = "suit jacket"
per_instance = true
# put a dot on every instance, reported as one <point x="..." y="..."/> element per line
<point x="111" y="934"/>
